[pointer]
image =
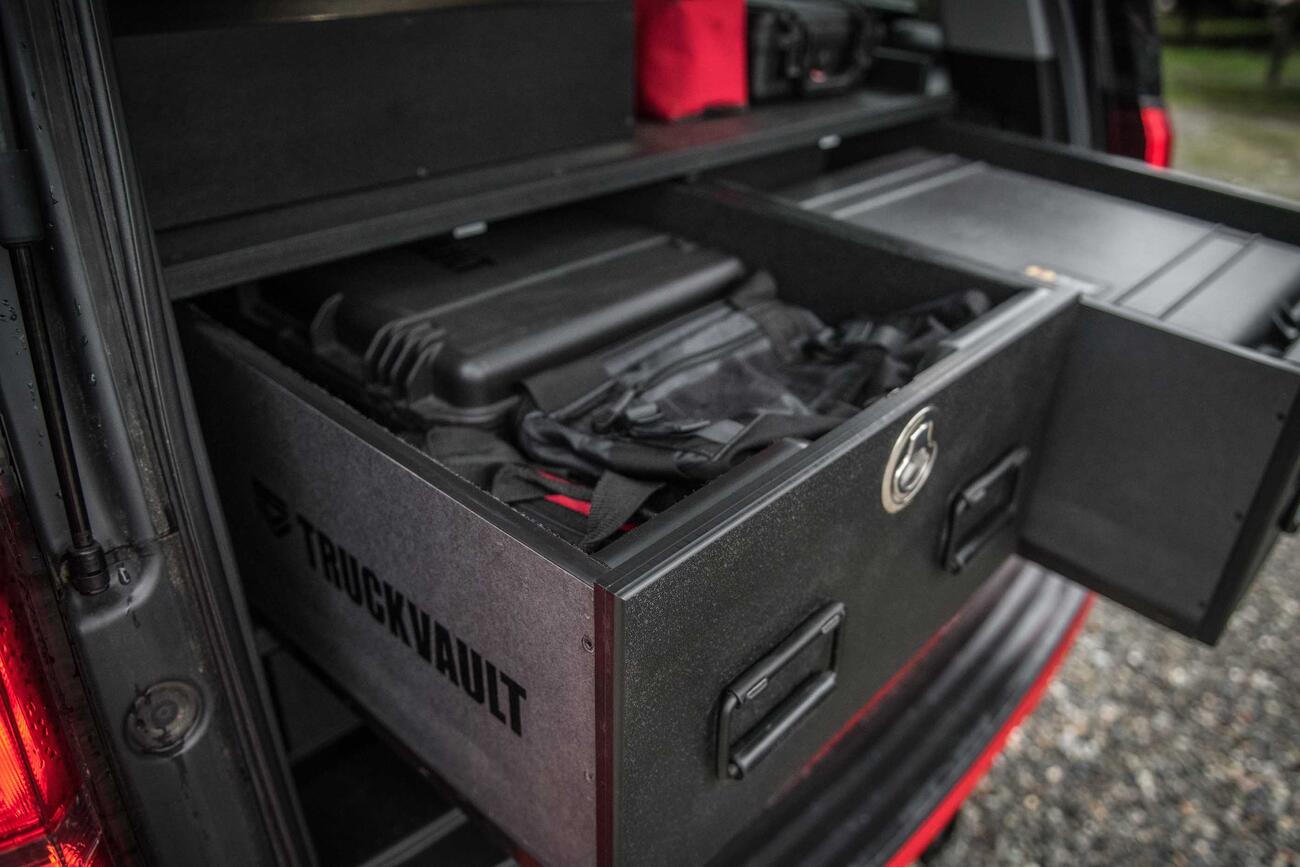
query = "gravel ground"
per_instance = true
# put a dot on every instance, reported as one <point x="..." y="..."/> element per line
<point x="1150" y="749"/>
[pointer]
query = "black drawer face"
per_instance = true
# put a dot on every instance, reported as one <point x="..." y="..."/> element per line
<point x="1170" y="461"/>
<point x="641" y="705"/>
<point x="817" y="534"/>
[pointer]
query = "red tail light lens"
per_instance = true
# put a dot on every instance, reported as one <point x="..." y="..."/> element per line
<point x="1159" y="135"/>
<point x="44" y="817"/>
<point x="1143" y="132"/>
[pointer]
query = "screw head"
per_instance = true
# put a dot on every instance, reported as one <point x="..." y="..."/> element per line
<point x="163" y="715"/>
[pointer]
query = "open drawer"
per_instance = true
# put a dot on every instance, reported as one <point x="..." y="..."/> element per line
<point x="1170" y="463"/>
<point x="641" y="704"/>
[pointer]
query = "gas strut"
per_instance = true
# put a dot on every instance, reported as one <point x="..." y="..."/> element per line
<point x="21" y="229"/>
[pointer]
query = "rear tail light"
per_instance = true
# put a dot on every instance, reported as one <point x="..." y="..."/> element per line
<point x="1141" y="131"/>
<point x="45" y="814"/>
<point x="1159" y="135"/>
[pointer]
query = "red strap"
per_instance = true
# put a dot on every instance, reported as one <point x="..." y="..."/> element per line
<point x="570" y="503"/>
<point x="582" y="507"/>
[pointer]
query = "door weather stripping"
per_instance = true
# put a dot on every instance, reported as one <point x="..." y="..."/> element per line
<point x="21" y="229"/>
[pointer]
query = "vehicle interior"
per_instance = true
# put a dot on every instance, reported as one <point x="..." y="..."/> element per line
<point x="344" y="308"/>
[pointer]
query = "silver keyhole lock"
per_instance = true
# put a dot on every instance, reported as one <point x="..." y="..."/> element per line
<point x="910" y="462"/>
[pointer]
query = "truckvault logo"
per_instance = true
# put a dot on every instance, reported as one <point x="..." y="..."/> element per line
<point x="401" y="618"/>
<point x="273" y="509"/>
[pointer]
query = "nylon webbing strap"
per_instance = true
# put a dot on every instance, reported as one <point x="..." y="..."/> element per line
<point x="785" y="327"/>
<point x="515" y="483"/>
<point x="615" y="501"/>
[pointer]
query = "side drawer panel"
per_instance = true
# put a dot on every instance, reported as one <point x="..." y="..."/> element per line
<point x="454" y="635"/>
<point x="688" y="627"/>
<point x="1168" y="461"/>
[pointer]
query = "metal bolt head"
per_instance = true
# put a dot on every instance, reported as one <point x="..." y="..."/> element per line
<point x="163" y="715"/>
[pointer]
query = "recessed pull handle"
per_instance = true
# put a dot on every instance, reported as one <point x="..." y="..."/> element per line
<point x="981" y="509"/>
<point x="737" y="757"/>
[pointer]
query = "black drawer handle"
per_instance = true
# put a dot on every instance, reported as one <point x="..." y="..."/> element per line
<point x="736" y="760"/>
<point x="980" y="510"/>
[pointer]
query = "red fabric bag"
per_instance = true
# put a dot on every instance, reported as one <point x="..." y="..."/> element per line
<point x="690" y="56"/>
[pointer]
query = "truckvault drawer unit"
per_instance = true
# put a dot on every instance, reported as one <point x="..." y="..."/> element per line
<point x="498" y="652"/>
<point x="641" y="705"/>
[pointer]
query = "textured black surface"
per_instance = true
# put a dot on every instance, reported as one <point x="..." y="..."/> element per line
<point x="1004" y="219"/>
<point x="887" y="772"/>
<point x="752" y="573"/>
<point x="228" y="118"/>
<point x="1159" y="448"/>
<point x="457" y="577"/>
<point x="1195" y="274"/>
